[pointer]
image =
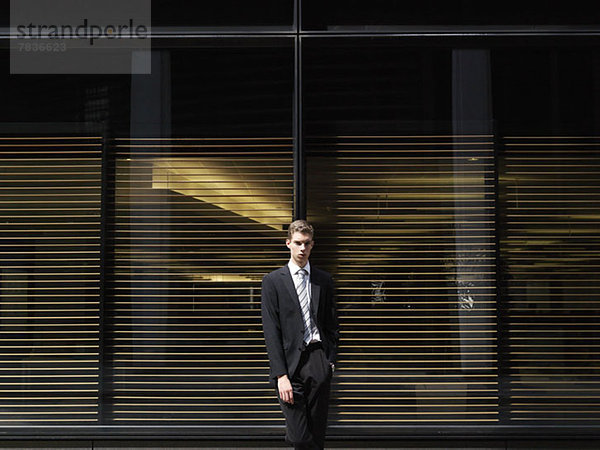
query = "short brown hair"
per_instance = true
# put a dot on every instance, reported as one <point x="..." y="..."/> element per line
<point x="300" y="226"/>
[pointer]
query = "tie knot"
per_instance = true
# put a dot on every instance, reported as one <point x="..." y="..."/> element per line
<point x="302" y="273"/>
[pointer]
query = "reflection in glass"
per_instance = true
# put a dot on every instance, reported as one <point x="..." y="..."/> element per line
<point x="198" y="222"/>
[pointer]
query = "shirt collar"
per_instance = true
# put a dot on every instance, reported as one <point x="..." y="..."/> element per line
<point x="294" y="268"/>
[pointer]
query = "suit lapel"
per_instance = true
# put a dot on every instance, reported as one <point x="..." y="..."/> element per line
<point x="288" y="282"/>
<point x="315" y="294"/>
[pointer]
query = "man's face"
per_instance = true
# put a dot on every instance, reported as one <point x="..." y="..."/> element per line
<point x="300" y="246"/>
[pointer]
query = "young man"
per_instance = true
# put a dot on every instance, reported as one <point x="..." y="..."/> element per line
<point x="301" y="332"/>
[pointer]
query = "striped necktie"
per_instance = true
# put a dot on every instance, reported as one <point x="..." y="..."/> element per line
<point x="302" y="290"/>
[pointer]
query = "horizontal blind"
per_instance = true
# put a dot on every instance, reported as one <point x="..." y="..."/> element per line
<point x="50" y="190"/>
<point x="197" y="223"/>
<point x="406" y="225"/>
<point x="551" y="250"/>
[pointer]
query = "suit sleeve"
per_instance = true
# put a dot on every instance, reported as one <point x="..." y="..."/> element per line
<point x="332" y="328"/>
<point x="272" y="328"/>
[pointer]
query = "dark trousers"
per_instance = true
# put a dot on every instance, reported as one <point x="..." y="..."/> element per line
<point x="306" y="419"/>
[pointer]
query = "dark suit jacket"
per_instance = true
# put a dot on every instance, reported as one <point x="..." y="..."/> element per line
<point x="283" y="325"/>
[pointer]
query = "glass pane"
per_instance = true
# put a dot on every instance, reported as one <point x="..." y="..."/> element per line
<point x="199" y="184"/>
<point x="550" y="234"/>
<point x="403" y="200"/>
<point x="426" y="212"/>
<point x="361" y="15"/>
<point x="224" y="15"/>
<point x="202" y="195"/>
<point x="52" y="143"/>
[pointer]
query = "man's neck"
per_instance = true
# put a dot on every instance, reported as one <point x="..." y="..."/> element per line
<point x="298" y="265"/>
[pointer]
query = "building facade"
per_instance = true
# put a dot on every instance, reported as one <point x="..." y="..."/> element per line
<point x="447" y="153"/>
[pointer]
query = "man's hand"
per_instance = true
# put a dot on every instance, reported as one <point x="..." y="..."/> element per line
<point x="285" y="389"/>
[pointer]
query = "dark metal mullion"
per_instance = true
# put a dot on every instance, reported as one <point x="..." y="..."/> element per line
<point x="296" y="20"/>
<point x="299" y="156"/>
<point x="502" y="307"/>
<point x="103" y="290"/>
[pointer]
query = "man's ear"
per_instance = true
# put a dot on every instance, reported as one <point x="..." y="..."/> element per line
<point x="287" y="243"/>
